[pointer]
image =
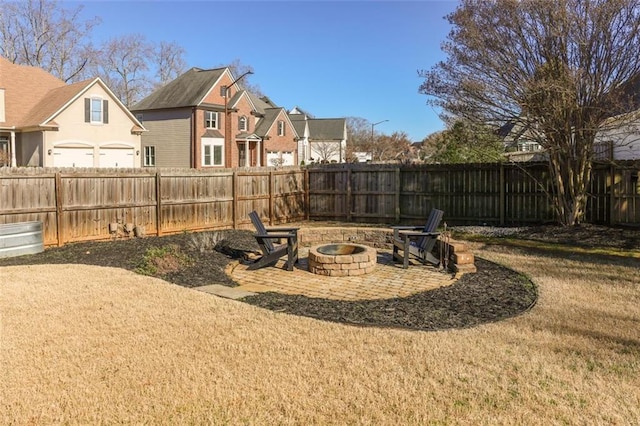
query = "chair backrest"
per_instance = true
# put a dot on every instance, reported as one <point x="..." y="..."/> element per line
<point x="261" y="230"/>
<point x="435" y="217"/>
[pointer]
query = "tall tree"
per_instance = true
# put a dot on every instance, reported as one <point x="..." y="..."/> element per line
<point x="561" y="68"/>
<point x="125" y="67"/>
<point x="42" y="33"/>
<point x="358" y="135"/>
<point x="169" y="59"/>
<point x="390" y="147"/>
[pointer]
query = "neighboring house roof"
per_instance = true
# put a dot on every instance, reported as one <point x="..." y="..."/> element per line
<point x="44" y="111"/>
<point x="188" y="90"/>
<point x="327" y="128"/>
<point x="270" y="116"/>
<point x="25" y="86"/>
<point x="260" y="105"/>
<point x="296" y="110"/>
<point x="299" y="122"/>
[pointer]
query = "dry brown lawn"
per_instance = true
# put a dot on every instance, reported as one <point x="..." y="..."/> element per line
<point x="89" y="345"/>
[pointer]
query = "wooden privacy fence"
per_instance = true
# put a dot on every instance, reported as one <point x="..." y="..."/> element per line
<point x="83" y="205"/>
<point x="492" y="194"/>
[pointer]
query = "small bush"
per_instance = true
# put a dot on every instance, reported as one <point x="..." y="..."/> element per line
<point x="159" y="261"/>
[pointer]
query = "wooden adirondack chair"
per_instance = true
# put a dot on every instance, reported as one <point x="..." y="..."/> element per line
<point x="271" y="252"/>
<point x="417" y="241"/>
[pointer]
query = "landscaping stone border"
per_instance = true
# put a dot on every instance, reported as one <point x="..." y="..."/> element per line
<point x="455" y="254"/>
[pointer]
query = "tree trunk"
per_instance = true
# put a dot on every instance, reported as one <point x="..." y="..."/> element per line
<point x="571" y="172"/>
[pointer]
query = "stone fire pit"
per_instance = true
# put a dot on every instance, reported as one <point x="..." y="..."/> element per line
<point x="342" y="260"/>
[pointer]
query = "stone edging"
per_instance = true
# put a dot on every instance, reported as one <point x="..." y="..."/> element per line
<point x="460" y="258"/>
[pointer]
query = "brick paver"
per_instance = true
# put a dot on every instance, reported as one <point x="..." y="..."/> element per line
<point x="388" y="280"/>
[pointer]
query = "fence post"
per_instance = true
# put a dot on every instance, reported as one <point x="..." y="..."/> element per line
<point x="502" y="202"/>
<point x="271" y="189"/>
<point x="349" y="200"/>
<point x="397" y="195"/>
<point x="612" y="193"/>
<point x="59" y="221"/>
<point x="158" y="204"/>
<point x="307" y="197"/>
<point x="234" y="196"/>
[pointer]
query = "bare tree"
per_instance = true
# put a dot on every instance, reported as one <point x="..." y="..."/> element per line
<point x="560" y="68"/>
<point x="326" y="151"/>
<point x="125" y="67"/>
<point x="390" y="147"/>
<point x="42" y="33"/>
<point x="169" y="59"/>
<point x="237" y="69"/>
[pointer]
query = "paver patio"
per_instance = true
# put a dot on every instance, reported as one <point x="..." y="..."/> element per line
<point x="387" y="281"/>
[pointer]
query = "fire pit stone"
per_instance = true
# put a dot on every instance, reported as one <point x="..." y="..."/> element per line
<point x="342" y="260"/>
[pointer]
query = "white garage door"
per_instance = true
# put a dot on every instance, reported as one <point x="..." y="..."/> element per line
<point x="287" y="158"/>
<point x="73" y="157"/>
<point x="273" y="158"/>
<point x="116" y="157"/>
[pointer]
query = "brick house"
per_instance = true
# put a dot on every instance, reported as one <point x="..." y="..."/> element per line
<point x="204" y="118"/>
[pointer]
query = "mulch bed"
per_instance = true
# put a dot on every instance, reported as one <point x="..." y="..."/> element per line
<point x="492" y="294"/>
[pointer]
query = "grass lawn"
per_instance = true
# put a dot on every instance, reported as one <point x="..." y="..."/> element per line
<point x="84" y="344"/>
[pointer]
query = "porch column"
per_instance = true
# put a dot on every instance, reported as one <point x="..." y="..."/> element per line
<point x="14" y="163"/>
<point x="258" y="153"/>
<point x="247" y="153"/>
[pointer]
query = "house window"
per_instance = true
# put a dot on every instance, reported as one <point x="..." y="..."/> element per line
<point x="242" y="155"/>
<point x="280" y="128"/>
<point x="242" y="124"/>
<point x="4" y="151"/>
<point x="96" y="110"/>
<point x="149" y="156"/>
<point x="223" y="91"/>
<point x="212" y="152"/>
<point x="211" y="120"/>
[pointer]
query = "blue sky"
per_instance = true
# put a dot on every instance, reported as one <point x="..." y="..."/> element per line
<point x="331" y="58"/>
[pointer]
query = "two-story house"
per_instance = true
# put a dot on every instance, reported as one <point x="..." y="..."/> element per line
<point x="320" y="139"/>
<point x="47" y="123"/>
<point x="204" y="118"/>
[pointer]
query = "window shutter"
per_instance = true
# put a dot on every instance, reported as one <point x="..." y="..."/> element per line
<point x="87" y="110"/>
<point x="105" y="111"/>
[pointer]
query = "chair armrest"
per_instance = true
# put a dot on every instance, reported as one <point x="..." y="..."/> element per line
<point x="407" y="227"/>
<point x="407" y="235"/>
<point x="402" y="228"/>
<point x="282" y="229"/>
<point x="274" y="236"/>
<point x="293" y="230"/>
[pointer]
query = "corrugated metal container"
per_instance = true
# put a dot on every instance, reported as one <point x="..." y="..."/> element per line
<point x="17" y="239"/>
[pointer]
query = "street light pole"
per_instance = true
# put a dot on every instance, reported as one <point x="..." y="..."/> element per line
<point x="375" y="124"/>
<point x="227" y="146"/>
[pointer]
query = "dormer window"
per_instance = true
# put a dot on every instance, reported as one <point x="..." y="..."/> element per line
<point x="96" y="110"/>
<point x="242" y="124"/>
<point x="211" y="119"/>
<point x="280" y="128"/>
